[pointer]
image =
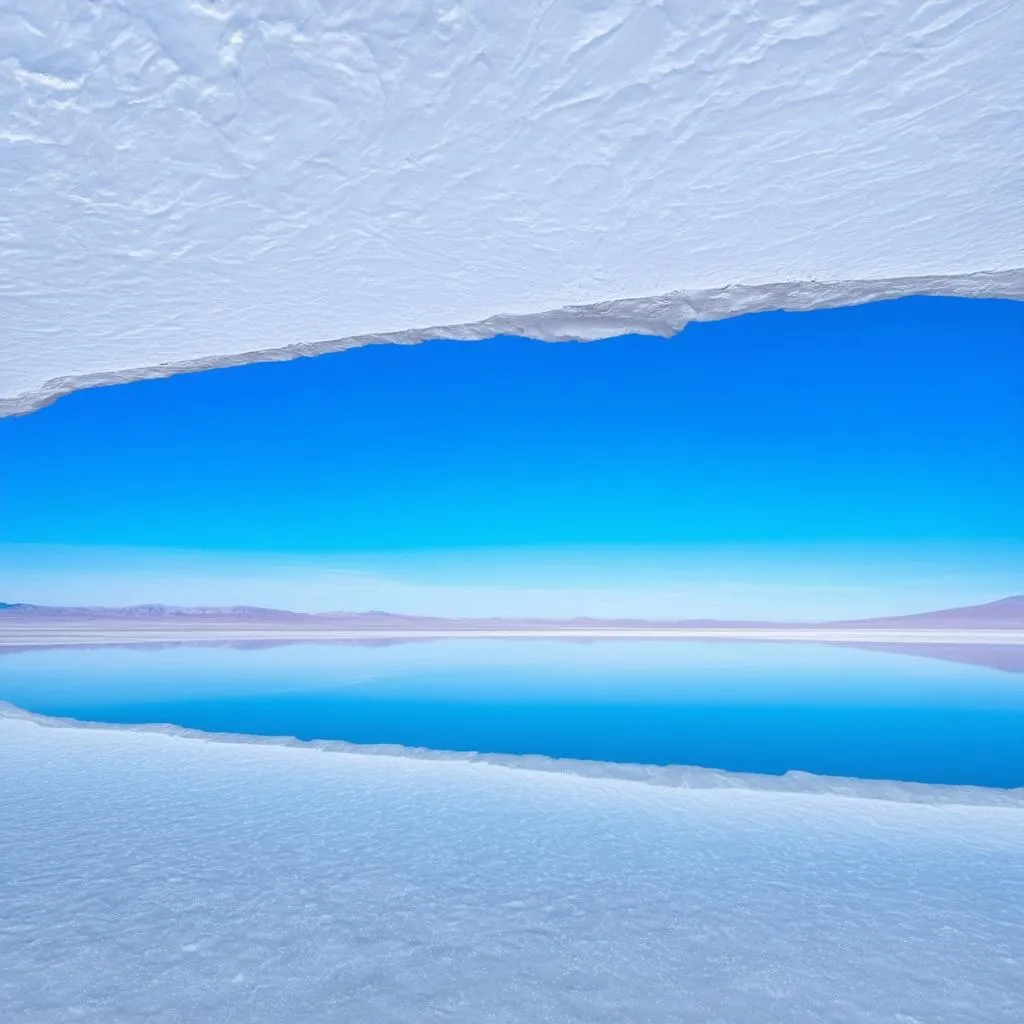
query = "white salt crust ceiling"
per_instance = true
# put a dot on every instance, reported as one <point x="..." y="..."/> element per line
<point x="197" y="183"/>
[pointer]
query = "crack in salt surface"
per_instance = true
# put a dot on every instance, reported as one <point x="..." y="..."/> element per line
<point x="672" y="776"/>
<point x="663" y="316"/>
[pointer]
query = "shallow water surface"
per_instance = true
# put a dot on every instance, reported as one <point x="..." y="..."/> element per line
<point x="753" y="707"/>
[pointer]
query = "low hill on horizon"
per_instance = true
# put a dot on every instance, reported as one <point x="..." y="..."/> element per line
<point x="1006" y="613"/>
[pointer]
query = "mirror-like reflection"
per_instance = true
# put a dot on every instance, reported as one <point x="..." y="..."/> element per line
<point x="752" y="707"/>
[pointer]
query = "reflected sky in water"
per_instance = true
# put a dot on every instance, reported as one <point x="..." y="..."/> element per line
<point x="755" y="707"/>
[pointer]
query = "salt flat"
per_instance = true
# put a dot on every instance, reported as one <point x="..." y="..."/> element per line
<point x="59" y="635"/>
<point x="197" y="183"/>
<point x="152" y="877"/>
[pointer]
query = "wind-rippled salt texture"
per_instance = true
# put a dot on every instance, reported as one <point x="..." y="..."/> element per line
<point x="197" y="183"/>
<point x="161" y="878"/>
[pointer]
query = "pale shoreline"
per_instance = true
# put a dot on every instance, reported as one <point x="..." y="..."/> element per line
<point x="669" y="776"/>
<point x="63" y="635"/>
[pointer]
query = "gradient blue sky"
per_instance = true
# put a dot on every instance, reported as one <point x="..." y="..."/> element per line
<point x="860" y="459"/>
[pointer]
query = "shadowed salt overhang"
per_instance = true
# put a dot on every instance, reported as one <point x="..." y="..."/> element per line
<point x="196" y="184"/>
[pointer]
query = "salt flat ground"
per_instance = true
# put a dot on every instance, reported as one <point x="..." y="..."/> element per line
<point x="150" y="877"/>
<point x="59" y="634"/>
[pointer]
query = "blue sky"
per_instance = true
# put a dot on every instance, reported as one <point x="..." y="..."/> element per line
<point x="875" y="452"/>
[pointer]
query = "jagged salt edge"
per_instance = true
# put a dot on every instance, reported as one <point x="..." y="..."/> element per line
<point x="670" y="776"/>
<point x="660" y="315"/>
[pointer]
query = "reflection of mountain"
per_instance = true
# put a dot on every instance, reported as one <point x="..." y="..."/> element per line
<point x="1003" y="657"/>
<point x="1007" y="613"/>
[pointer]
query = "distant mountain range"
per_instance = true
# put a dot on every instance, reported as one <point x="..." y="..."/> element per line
<point x="1007" y="613"/>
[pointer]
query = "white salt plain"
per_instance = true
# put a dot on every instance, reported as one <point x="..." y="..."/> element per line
<point x="196" y="182"/>
<point x="152" y="877"/>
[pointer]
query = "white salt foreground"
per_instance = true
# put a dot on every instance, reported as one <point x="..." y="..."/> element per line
<point x="199" y="182"/>
<point x="149" y="877"/>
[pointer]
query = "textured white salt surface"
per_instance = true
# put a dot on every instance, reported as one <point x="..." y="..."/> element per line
<point x="159" y="878"/>
<point x="194" y="182"/>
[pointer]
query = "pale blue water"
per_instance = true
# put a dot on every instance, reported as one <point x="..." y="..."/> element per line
<point x="765" y="708"/>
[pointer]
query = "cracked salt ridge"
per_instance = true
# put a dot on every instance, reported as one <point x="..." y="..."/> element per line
<point x="662" y="316"/>
<point x="671" y="776"/>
